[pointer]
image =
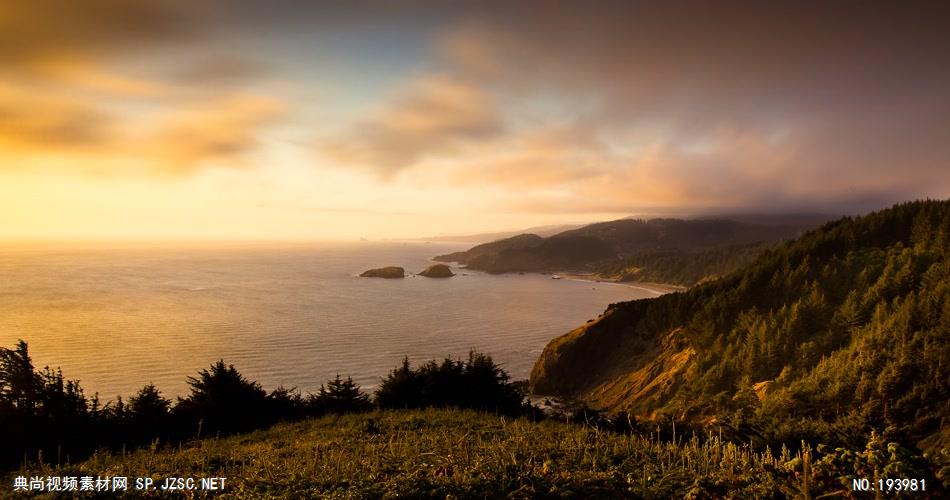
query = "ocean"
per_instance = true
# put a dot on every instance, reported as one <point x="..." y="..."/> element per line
<point x="291" y="314"/>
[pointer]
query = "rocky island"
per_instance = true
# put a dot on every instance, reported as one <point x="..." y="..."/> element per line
<point x="389" y="272"/>
<point x="437" y="271"/>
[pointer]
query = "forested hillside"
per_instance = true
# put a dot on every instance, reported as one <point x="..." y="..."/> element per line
<point x="843" y="331"/>
<point x="682" y="267"/>
<point x="682" y="252"/>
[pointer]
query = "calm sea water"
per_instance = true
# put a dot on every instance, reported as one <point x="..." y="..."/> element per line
<point x="292" y="315"/>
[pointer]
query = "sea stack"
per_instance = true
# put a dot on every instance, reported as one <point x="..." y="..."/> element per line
<point x="390" y="272"/>
<point x="437" y="271"/>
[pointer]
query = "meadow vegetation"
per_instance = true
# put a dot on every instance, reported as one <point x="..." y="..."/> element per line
<point x="445" y="453"/>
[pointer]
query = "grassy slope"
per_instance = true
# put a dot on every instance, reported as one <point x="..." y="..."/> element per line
<point x="436" y="453"/>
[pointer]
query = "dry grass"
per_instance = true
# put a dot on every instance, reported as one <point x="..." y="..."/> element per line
<point x="450" y="453"/>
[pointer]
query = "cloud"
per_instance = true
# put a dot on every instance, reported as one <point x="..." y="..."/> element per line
<point x="737" y="169"/>
<point x="37" y="123"/>
<point x="532" y="159"/>
<point x="40" y="120"/>
<point x="434" y="115"/>
<point x="220" y="69"/>
<point x="698" y="104"/>
<point x="69" y="92"/>
<point x="40" y="31"/>
<point x="222" y="132"/>
<point x="89" y="76"/>
<point x="564" y="107"/>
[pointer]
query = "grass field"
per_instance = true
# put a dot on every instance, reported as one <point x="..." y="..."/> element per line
<point x="463" y="454"/>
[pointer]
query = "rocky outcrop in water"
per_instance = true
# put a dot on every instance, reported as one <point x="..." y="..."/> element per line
<point x="390" y="272"/>
<point x="437" y="271"/>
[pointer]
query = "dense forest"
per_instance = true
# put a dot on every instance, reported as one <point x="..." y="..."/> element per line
<point x="682" y="267"/>
<point x="674" y="251"/>
<point x="841" y="333"/>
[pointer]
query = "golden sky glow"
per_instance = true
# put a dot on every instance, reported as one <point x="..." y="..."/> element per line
<point x="198" y="120"/>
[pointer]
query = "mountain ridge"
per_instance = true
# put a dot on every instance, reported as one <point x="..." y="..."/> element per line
<point x="842" y="330"/>
<point x="675" y="251"/>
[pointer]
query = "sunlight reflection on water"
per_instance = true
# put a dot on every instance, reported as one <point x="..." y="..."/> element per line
<point x="292" y="315"/>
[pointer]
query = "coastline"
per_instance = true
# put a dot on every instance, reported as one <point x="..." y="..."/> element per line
<point x="655" y="288"/>
<point x="647" y="286"/>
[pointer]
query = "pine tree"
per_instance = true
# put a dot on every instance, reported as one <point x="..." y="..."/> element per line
<point x="341" y="396"/>
<point x="19" y="383"/>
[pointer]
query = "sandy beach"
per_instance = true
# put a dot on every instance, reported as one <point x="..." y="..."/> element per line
<point x="654" y="288"/>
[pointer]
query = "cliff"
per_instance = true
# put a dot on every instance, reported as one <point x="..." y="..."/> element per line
<point x="846" y="327"/>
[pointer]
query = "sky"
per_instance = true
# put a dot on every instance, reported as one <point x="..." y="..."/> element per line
<point x="242" y="120"/>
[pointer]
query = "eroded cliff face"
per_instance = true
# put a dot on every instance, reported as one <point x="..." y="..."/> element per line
<point x="649" y="383"/>
<point x="609" y="364"/>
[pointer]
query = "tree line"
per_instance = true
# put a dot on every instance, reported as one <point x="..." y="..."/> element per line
<point x="46" y="417"/>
